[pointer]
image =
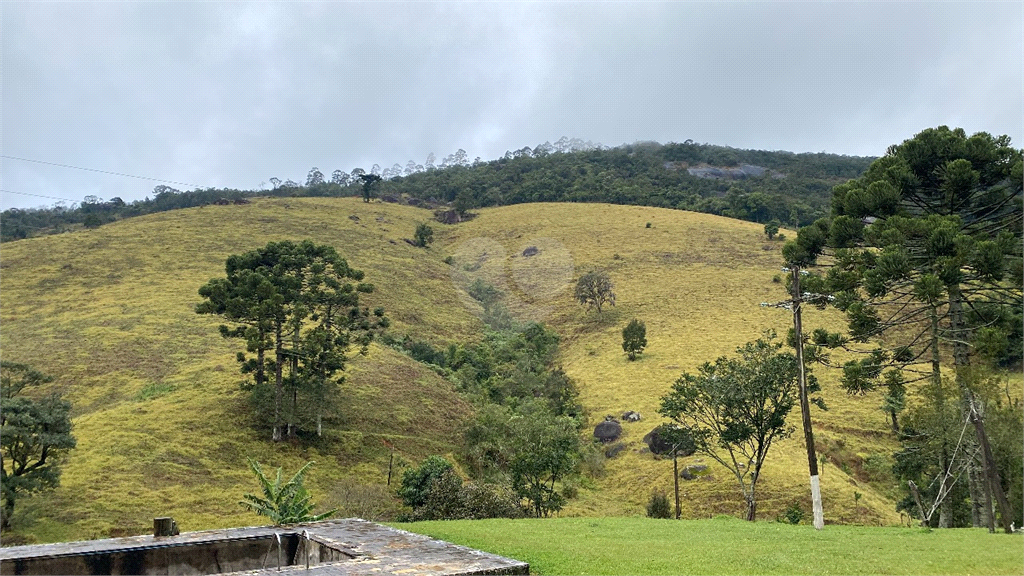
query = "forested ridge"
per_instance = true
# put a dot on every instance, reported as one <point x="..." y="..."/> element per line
<point x="754" y="185"/>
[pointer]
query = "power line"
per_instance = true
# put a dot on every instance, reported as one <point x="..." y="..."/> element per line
<point x="37" y="195"/>
<point x="100" y="171"/>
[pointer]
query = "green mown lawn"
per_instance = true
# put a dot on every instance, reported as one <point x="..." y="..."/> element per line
<point x="730" y="546"/>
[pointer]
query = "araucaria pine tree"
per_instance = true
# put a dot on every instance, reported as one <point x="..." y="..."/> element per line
<point x="926" y="251"/>
<point x="296" y="307"/>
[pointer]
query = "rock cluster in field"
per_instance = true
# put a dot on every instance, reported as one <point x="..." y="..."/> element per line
<point x="691" y="472"/>
<point x="631" y="416"/>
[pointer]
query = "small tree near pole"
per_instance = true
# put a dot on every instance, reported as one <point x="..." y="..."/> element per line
<point x="736" y="408"/>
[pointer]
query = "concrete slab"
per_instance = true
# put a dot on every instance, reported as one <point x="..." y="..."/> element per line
<point x="336" y="547"/>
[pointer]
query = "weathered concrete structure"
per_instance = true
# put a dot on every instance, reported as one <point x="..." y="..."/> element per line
<point x="336" y="547"/>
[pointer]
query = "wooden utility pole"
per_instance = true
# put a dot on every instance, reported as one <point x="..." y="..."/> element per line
<point x="391" y="461"/>
<point x="805" y="409"/>
<point x="675" y="473"/>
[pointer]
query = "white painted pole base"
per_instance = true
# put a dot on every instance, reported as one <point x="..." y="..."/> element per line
<point x="819" y="516"/>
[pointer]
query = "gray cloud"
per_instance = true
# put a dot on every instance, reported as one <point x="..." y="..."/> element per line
<point x="230" y="94"/>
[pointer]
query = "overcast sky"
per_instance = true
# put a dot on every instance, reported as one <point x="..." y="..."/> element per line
<point x="230" y="94"/>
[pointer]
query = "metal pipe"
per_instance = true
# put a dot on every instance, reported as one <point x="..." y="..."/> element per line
<point x="305" y="544"/>
<point x="278" y="536"/>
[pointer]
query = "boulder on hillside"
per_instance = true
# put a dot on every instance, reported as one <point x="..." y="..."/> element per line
<point x="608" y="431"/>
<point x="661" y="439"/>
<point x="448" y="216"/>
<point x="613" y="450"/>
<point x="691" y="472"/>
<point x="631" y="416"/>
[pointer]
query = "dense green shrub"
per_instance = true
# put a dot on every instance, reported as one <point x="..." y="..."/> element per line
<point x="417" y="482"/>
<point x="451" y="499"/>
<point x="489" y="501"/>
<point x="443" y="498"/>
<point x="658" y="506"/>
<point x="424" y="235"/>
<point x="794" y="513"/>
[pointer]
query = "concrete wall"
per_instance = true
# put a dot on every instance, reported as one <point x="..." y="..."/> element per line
<point x="183" y="559"/>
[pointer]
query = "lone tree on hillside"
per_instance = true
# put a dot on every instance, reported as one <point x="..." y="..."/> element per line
<point x="34" y="434"/>
<point x="594" y="289"/>
<point x="300" y="304"/>
<point x="736" y="408"/>
<point x="424" y="235"/>
<point x="772" y="228"/>
<point x="369" y="185"/>
<point x="634" y="338"/>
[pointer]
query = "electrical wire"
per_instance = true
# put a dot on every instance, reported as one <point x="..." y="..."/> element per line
<point x="36" y="195"/>
<point x="99" y="171"/>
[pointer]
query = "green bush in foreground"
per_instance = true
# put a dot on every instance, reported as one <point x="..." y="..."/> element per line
<point x="451" y="499"/>
<point x="417" y="482"/>
<point x="794" y="513"/>
<point x="658" y="506"/>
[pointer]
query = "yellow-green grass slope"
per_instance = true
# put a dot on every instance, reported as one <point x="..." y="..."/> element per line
<point x="698" y="282"/>
<point x="163" y="428"/>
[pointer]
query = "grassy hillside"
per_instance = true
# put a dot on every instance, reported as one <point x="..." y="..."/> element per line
<point x="163" y="429"/>
<point x="162" y="426"/>
<point x="697" y="281"/>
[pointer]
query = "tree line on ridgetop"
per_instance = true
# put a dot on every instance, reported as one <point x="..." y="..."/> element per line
<point x="793" y="189"/>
